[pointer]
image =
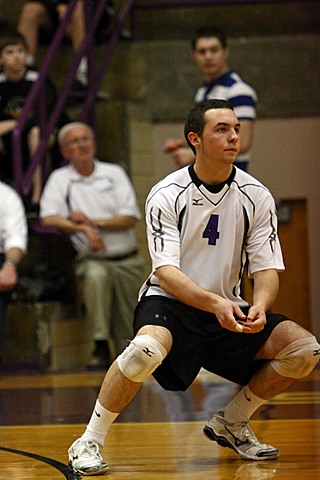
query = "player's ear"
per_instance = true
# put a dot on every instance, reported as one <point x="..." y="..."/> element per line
<point x="194" y="139"/>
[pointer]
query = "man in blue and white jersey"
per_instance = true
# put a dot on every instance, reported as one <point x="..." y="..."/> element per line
<point x="210" y="53"/>
<point x="203" y="221"/>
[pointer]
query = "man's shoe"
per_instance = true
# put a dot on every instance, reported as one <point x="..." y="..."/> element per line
<point x="100" y="358"/>
<point x="85" y="458"/>
<point x="80" y="89"/>
<point x="239" y="437"/>
<point x="98" y="361"/>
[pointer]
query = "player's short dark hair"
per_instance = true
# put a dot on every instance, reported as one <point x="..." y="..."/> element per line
<point x="207" y="32"/>
<point x="12" y="38"/>
<point x="195" y="120"/>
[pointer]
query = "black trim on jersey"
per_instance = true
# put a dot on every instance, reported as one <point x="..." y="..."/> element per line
<point x="246" y="227"/>
<point x="157" y="231"/>
<point x="273" y="234"/>
<point x="248" y="197"/>
<point x="214" y="188"/>
<point x="183" y="188"/>
<point x="245" y="233"/>
<point x="150" y="284"/>
<point x="181" y="217"/>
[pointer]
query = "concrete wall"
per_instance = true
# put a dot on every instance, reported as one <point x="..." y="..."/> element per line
<point x="266" y="18"/>
<point x="284" y="70"/>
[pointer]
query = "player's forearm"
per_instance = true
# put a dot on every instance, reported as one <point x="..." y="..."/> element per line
<point x="265" y="289"/>
<point x="177" y="284"/>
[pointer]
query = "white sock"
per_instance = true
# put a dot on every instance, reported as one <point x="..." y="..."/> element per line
<point x="242" y="406"/>
<point x="83" y="65"/>
<point x="82" y="71"/>
<point x="99" y="424"/>
<point x="30" y="60"/>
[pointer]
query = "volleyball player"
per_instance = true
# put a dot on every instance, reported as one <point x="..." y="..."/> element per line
<point x="203" y="221"/>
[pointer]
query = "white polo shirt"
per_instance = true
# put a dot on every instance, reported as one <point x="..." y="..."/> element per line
<point x="105" y="193"/>
<point x="13" y="224"/>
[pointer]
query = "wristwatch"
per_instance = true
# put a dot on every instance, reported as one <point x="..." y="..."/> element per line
<point x="11" y="262"/>
<point x="101" y="223"/>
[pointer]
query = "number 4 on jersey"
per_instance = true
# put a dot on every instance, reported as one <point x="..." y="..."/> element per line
<point x="211" y="230"/>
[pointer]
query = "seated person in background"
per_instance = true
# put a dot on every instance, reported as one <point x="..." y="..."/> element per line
<point x="13" y="245"/>
<point x="210" y="54"/>
<point x="45" y="15"/>
<point x="16" y="81"/>
<point x="95" y="203"/>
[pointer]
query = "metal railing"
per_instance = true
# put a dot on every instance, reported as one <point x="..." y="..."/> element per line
<point x="47" y="123"/>
<point x="36" y="96"/>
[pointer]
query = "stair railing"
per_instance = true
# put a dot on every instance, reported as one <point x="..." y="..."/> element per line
<point x="47" y="123"/>
<point x="129" y="8"/>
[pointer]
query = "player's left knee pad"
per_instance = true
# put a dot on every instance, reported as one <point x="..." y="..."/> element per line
<point x="298" y="359"/>
<point x="140" y="359"/>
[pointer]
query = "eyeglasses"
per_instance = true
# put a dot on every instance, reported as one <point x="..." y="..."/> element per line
<point x="79" y="141"/>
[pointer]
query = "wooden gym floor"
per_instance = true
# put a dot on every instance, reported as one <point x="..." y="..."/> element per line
<point x="158" y="437"/>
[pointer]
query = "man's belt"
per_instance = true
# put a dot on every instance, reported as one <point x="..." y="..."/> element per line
<point x="122" y="257"/>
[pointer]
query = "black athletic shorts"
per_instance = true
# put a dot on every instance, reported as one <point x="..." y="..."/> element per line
<point x="200" y="341"/>
<point x="51" y="6"/>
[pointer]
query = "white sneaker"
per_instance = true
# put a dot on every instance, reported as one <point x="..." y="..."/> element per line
<point x="85" y="458"/>
<point x="239" y="437"/>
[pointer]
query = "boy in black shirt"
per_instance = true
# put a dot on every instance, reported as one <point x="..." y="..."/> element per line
<point x="16" y="81"/>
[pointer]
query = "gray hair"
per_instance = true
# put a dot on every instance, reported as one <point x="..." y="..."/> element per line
<point x="65" y="129"/>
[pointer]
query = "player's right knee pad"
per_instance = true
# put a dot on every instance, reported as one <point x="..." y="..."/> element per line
<point x="298" y="359"/>
<point x="140" y="359"/>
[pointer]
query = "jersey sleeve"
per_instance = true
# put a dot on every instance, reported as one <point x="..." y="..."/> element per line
<point x="162" y="230"/>
<point x="243" y="99"/>
<point x="263" y="244"/>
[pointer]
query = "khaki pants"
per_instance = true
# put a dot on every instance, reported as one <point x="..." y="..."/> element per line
<point x="110" y="294"/>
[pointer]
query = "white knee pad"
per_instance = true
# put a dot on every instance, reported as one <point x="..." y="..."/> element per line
<point x="298" y="359"/>
<point x="141" y="357"/>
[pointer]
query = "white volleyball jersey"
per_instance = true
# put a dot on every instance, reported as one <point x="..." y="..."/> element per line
<point x="209" y="231"/>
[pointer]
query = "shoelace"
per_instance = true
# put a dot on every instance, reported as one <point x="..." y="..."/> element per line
<point x="248" y="434"/>
<point x="90" y="448"/>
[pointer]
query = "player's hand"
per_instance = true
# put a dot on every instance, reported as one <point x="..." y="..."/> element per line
<point x="182" y="157"/>
<point x="256" y="319"/>
<point x="170" y="145"/>
<point x="230" y="315"/>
